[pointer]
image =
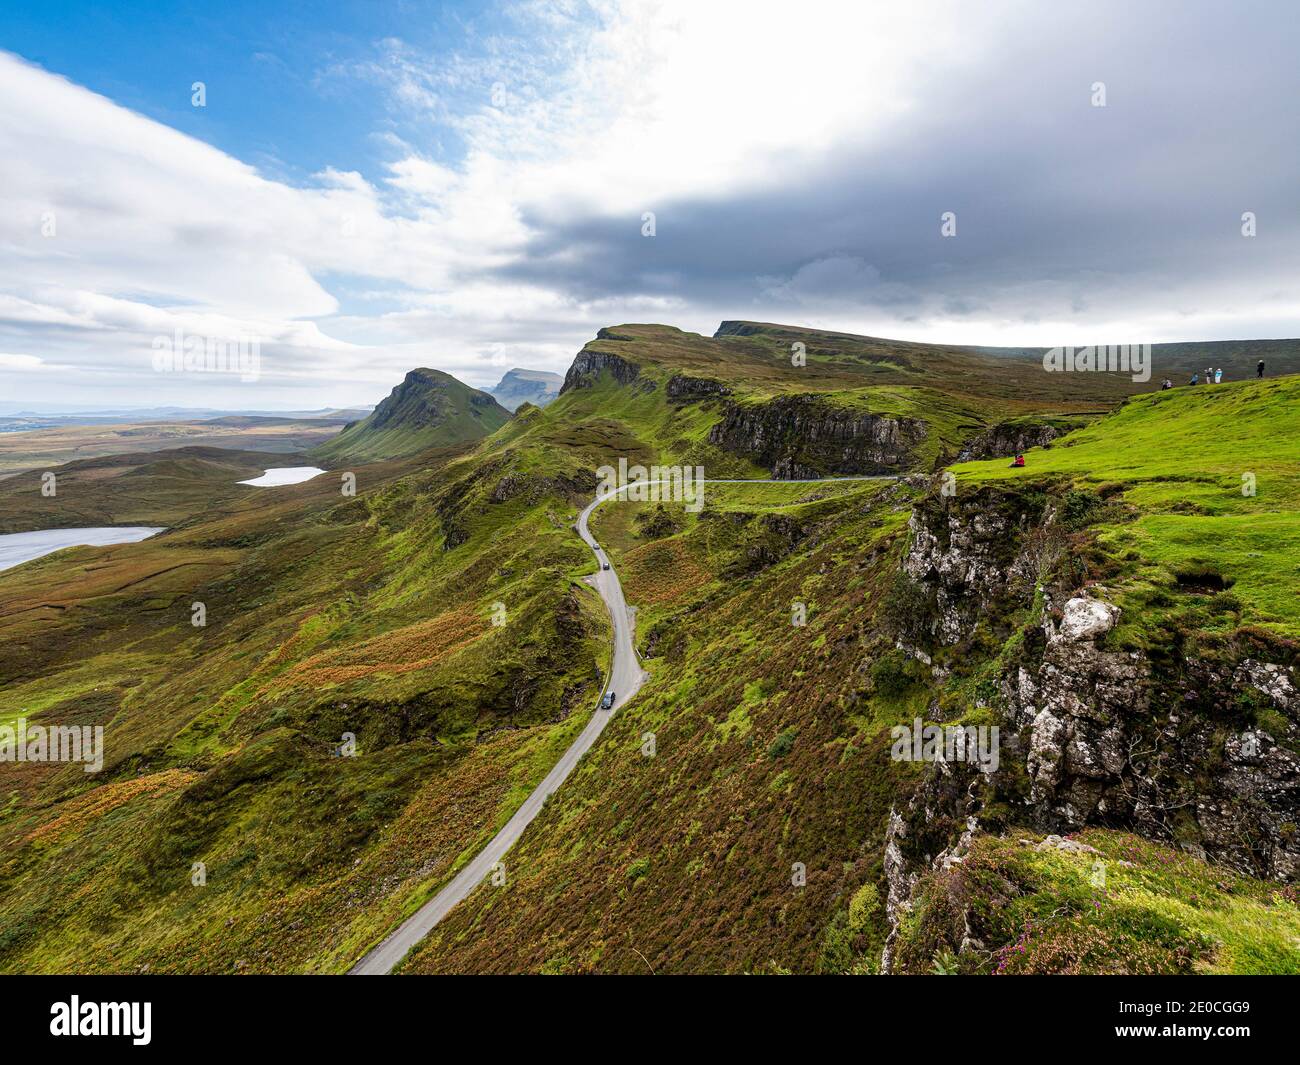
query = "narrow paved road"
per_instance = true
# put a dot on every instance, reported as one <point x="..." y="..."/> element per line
<point x="626" y="678"/>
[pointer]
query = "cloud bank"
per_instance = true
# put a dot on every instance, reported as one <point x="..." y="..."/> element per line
<point x="798" y="165"/>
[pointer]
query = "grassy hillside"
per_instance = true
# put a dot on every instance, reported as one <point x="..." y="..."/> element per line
<point x="770" y="739"/>
<point x="1237" y="358"/>
<point x="1118" y="904"/>
<point x="1012" y="378"/>
<point x="771" y="751"/>
<point x="1204" y="489"/>
<point x="812" y="394"/>
<point x="326" y="615"/>
<point x="428" y="409"/>
<point x="734" y="816"/>
<point x="768" y="742"/>
<point x="755" y="359"/>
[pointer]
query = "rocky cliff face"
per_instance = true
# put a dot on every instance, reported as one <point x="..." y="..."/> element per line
<point x="1194" y="752"/>
<point x="684" y="388"/>
<point x="1172" y="751"/>
<point x="803" y="436"/>
<point x="1006" y="440"/>
<point x="966" y="559"/>
<point x="587" y="366"/>
<point x="533" y="488"/>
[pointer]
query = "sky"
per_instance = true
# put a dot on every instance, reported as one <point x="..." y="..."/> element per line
<point x="344" y="191"/>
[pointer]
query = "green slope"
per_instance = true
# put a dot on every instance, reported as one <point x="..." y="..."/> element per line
<point x="1157" y="911"/>
<point x="326" y="614"/>
<point x="655" y="393"/>
<point x="1207" y="485"/>
<point x="771" y="740"/>
<point x="755" y="359"/>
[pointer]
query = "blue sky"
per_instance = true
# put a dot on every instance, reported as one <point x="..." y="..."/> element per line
<point x="281" y="78"/>
<point x="376" y="186"/>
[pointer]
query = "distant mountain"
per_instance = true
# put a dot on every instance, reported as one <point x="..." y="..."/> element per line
<point x="537" y="387"/>
<point x="428" y="409"/>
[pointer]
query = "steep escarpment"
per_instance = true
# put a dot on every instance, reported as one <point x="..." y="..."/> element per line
<point x="804" y="436"/>
<point x="588" y="365"/>
<point x="749" y="811"/>
<point x="802" y="403"/>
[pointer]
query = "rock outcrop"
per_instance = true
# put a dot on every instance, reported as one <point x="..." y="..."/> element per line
<point x="587" y="366"/>
<point x="684" y="388"/>
<point x="1188" y="751"/>
<point x="1007" y="439"/>
<point x="803" y="436"/>
<point x="965" y="557"/>
<point x="533" y="488"/>
<point x="1171" y="750"/>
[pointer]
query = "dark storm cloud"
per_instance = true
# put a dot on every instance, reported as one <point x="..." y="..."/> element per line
<point x="1062" y="207"/>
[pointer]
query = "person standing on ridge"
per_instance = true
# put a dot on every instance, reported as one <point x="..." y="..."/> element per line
<point x="1218" y="376"/>
<point x="1259" y="370"/>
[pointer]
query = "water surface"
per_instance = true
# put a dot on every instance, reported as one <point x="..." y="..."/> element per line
<point x="17" y="548"/>
<point x="279" y="475"/>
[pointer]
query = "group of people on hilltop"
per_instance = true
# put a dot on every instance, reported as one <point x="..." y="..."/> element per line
<point x="1212" y="376"/>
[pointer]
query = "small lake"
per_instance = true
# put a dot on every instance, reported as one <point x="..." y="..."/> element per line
<point x="273" y="478"/>
<point x="17" y="548"/>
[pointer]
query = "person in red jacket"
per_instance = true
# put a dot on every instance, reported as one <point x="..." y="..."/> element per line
<point x="1019" y="460"/>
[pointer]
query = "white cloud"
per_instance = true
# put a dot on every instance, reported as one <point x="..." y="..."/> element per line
<point x="16" y="363"/>
<point x="591" y="115"/>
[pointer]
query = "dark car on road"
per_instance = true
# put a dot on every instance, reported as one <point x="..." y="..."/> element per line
<point x="608" y="701"/>
<point x="605" y="565"/>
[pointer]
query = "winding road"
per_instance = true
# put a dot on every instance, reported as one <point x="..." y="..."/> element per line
<point x="625" y="680"/>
